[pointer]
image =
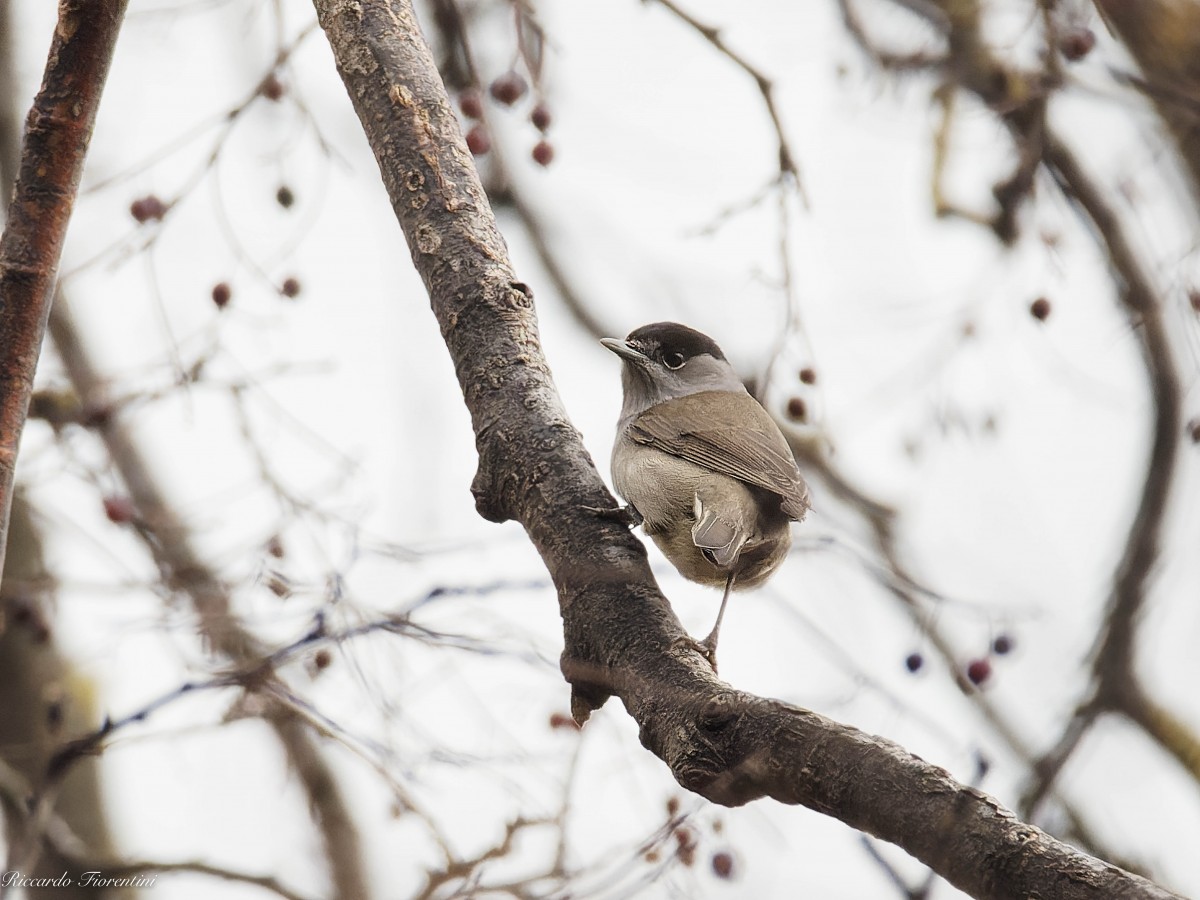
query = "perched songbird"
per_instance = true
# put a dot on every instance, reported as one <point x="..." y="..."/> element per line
<point x="701" y="464"/>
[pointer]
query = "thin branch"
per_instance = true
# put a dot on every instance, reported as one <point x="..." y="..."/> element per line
<point x="788" y="170"/>
<point x="111" y="874"/>
<point x="168" y="540"/>
<point x="893" y="62"/>
<point x="1020" y="99"/>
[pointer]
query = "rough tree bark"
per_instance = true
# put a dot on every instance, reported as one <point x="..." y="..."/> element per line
<point x="621" y="637"/>
<point x="57" y="134"/>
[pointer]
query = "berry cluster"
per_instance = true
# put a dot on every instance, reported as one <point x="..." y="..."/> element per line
<point x="978" y="670"/>
<point x="506" y="91"/>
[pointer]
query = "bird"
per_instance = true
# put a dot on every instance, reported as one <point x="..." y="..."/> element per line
<point x="701" y="464"/>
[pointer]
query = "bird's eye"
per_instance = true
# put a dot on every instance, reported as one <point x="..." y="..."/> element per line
<point x="673" y="360"/>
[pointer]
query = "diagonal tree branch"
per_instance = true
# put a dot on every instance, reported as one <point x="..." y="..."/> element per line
<point x="620" y="634"/>
<point x="57" y="134"/>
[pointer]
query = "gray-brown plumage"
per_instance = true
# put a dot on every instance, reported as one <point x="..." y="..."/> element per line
<point x="702" y="463"/>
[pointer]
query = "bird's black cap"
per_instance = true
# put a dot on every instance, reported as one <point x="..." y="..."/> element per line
<point x="661" y="339"/>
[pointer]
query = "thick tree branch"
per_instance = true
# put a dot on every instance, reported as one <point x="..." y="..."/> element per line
<point x="620" y="634"/>
<point x="57" y="134"/>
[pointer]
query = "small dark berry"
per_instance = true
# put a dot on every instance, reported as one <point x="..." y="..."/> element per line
<point x="797" y="409"/>
<point x="275" y="546"/>
<point x="722" y="864"/>
<point x="119" y="510"/>
<point x="1040" y="309"/>
<point x="322" y="659"/>
<point x="284" y="197"/>
<point x="471" y="103"/>
<point x="221" y="295"/>
<point x="913" y="662"/>
<point x="290" y="287"/>
<point x="479" y="142"/>
<point x="808" y="375"/>
<point x="543" y="153"/>
<point x="148" y="208"/>
<point x="983" y="765"/>
<point x="1077" y="43"/>
<point x="540" y="117"/>
<point x="54" y="715"/>
<point x="979" y="671"/>
<point x="272" y="87"/>
<point x="560" y="720"/>
<point x="96" y="415"/>
<point x="685" y="840"/>
<point x="509" y="88"/>
<point x="22" y="611"/>
<point x="672" y="806"/>
<point x="1002" y="644"/>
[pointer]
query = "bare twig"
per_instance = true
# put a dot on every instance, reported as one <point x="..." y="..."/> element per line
<point x="1020" y="99"/>
<point x="117" y="873"/>
<point x="788" y="170"/>
<point x="168" y="540"/>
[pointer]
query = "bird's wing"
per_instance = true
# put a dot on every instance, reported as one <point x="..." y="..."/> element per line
<point x="734" y="437"/>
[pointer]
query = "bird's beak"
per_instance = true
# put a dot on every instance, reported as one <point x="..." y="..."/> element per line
<point x="624" y="350"/>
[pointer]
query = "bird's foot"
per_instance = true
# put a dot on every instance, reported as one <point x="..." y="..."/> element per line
<point x="625" y="515"/>
<point x="706" y="648"/>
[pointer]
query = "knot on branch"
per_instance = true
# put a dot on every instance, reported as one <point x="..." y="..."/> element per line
<point x="710" y="749"/>
<point x="719" y="713"/>
<point x="590" y="685"/>
<point x="488" y="495"/>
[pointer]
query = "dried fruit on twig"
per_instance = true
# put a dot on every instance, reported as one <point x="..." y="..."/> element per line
<point x="509" y="88"/>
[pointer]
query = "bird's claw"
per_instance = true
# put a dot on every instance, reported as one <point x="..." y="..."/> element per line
<point x="625" y="515"/>
<point x="705" y="648"/>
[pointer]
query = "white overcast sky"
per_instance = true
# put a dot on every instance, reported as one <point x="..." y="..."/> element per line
<point x="1017" y="529"/>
